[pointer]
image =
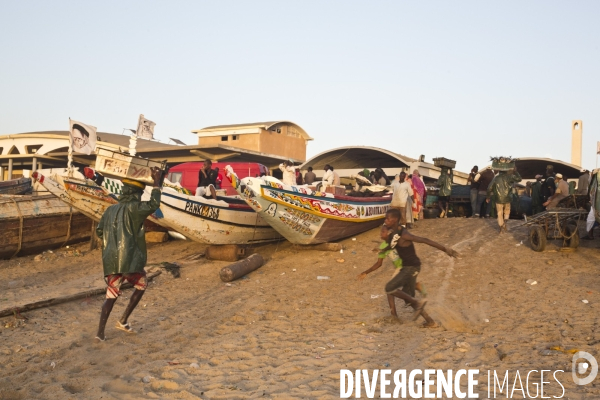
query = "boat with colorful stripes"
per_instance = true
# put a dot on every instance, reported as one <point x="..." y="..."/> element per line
<point x="306" y="216"/>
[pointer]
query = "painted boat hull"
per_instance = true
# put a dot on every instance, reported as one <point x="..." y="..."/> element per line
<point x="46" y="221"/>
<point x="212" y="221"/>
<point x="306" y="217"/>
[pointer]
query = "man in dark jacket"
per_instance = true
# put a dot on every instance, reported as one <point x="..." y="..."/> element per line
<point x="500" y="189"/>
<point x="124" y="256"/>
<point x="484" y="179"/>
<point x="474" y="191"/>
<point x="536" y="195"/>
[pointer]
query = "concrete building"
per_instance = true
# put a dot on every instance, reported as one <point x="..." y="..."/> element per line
<point x="281" y="138"/>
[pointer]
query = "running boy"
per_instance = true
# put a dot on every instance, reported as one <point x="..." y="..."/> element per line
<point x="404" y="281"/>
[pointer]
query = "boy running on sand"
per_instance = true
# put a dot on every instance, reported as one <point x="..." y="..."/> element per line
<point x="404" y="281"/>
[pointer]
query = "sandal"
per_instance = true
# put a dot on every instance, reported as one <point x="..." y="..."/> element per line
<point x="124" y="327"/>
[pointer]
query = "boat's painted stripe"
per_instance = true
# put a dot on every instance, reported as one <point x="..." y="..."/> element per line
<point x="216" y="220"/>
<point x="318" y="214"/>
<point x="240" y="209"/>
<point x="325" y="198"/>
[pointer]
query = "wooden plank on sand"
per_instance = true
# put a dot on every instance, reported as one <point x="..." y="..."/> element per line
<point x="63" y="299"/>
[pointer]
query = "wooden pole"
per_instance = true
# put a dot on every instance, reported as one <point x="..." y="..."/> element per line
<point x="321" y="247"/>
<point x="241" y="268"/>
<point x="93" y="237"/>
<point x="63" y="299"/>
<point x="226" y="252"/>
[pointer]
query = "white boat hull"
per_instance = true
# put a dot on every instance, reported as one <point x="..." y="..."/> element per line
<point x="212" y="221"/>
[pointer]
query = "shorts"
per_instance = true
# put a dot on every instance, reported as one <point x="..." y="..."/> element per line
<point x="405" y="280"/>
<point x="114" y="282"/>
<point x="203" y="190"/>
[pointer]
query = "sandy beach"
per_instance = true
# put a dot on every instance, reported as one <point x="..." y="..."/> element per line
<point x="281" y="333"/>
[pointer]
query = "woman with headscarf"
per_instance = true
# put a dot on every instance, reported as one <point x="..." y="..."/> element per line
<point x="419" y="188"/>
<point x="410" y="204"/>
<point x="417" y="205"/>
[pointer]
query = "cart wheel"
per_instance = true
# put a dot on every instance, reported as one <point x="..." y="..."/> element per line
<point x="573" y="234"/>
<point x="537" y="238"/>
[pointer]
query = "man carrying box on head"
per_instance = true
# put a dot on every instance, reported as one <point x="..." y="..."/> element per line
<point x="124" y="256"/>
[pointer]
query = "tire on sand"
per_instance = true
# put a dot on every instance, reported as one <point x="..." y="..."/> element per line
<point x="537" y="238"/>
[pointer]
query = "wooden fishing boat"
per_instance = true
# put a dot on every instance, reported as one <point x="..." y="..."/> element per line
<point x="77" y="191"/>
<point x="16" y="186"/>
<point x="84" y="194"/>
<point x="306" y="216"/>
<point x="31" y="224"/>
<point x="227" y="220"/>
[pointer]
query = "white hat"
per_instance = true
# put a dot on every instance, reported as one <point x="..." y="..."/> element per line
<point x="559" y="176"/>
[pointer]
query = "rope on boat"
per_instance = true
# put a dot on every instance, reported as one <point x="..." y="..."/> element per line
<point x="69" y="227"/>
<point x="20" y="228"/>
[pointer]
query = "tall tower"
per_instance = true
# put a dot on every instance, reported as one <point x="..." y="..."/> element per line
<point x="576" y="146"/>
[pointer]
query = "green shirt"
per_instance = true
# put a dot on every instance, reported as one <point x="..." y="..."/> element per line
<point x="385" y="251"/>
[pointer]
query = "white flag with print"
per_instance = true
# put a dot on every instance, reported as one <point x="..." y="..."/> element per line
<point x="82" y="137"/>
<point x="145" y="129"/>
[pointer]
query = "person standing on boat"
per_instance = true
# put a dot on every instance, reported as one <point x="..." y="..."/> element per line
<point x="310" y="176"/>
<point x="289" y="173"/>
<point x="331" y="177"/>
<point x="207" y="180"/>
<point x="124" y="256"/>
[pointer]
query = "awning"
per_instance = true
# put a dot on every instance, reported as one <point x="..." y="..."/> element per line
<point x="356" y="157"/>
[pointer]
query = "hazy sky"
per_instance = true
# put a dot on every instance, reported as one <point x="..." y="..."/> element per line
<point x="459" y="79"/>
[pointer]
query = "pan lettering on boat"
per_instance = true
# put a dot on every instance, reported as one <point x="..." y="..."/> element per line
<point x="202" y="210"/>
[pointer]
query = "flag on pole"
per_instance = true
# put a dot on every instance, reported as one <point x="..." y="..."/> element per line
<point x="82" y="137"/>
<point x="145" y="129"/>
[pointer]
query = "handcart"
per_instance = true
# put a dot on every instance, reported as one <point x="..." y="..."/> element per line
<point x="558" y="223"/>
